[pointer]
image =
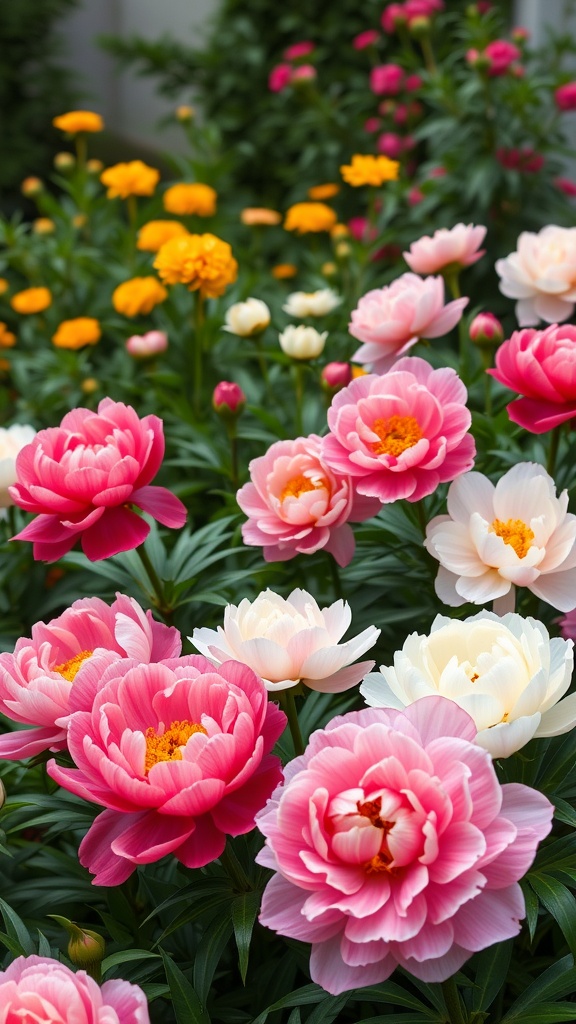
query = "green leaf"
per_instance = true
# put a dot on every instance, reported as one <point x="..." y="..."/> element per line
<point x="301" y="997"/>
<point x="210" y="949"/>
<point x="390" y="992"/>
<point x="559" y="980"/>
<point x="244" y="912"/>
<point x="187" y="1007"/>
<point x="328" y="1010"/>
<point x="124" y="956"/>
<point x="17" y="929"/>
<point x="560" y="902"/>
<point x="544" y="1013"/>
<point x="491" y="970"/>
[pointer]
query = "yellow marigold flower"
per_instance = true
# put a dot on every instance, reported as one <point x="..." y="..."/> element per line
<point x="184" y="112"/>
<point x="31" y="300"/>
<point x="43" y="226"/>
<point x="64" y="161"/>
<point x="253" y="216"/>
<point x="94" y="166"/>
<point x="89" y="385"/>
<point x="370" y="170"/>
<point x="31" y="186"/>
<point x="7" y="339"/>
<point x="132" y="179"/>
<point x="192" y="198"/>
<point x="203" y="262"/>
<point x="4" y="285"/>
<point x="282" y="271"/>
<point x="306" y="217"/>
<point x="323" y="191"/>
<point x="78" y="121"/>
<point x="339" y="231"/>
<point x="75" y="334"/>
<point x="138" y="295"/>
<point x="156" y="232"/>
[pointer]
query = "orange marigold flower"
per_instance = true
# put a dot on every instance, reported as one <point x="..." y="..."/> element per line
<point x="31" y="300"/>
<point x="202" y="262"/>
<point x="7" y="339"/>
<point x="306" y="217"/>
<point x="138" y="295"/>
<point x="282" y="271"/>
<point x="43" y="226"/>
<point x="75" y="334"/>
<point x="31" y="186"/>
<point x="184" y="112"/>
<point x="192" y="198"/>
<point x="256" y="215"/>
<point x="78" y="121"/>
<point x="130" y="179"/>
<point x="323" y="191"/>
<point x="156" y="232"/>
<point x="4" y="285"/>
<point x="339" y="231"/>
<point x="370" y="170"/>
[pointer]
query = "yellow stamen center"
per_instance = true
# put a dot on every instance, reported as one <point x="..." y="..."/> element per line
<point x="298" y="485"/>
<point x="514" y="532"/>
<point x="381" y="862"/>
<point x="69" y="669"/>
<point x="396" y="435"/>
<point x="168" y="746"/>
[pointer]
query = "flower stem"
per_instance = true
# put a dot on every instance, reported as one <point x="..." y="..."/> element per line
<point x="157" y="587"/>
<point x="299" y="393"/>
<point x="428" y="54"/>
<point x="288" y="705"/>
<point x="198" y="349"/>
<point x="553" y="450"/>
<point x="233" y="438"/>
<point x="456" y="1013"/>
<point x="337" y="582"/>
<point x="454" y="286"/>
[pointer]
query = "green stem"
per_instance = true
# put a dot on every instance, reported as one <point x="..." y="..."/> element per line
<point x="198" y="349"/>
<point x="428" y="54"/>
<point x="299" y="393"/>
<point x="422" y="516"/>
<point x="553" y="450"/>
<point x="80" y="143"/>
<point x="157" y="587"/>
<point x="288" y="705"/>
<point x="233" y="456"/>
<point x="338" y="592"/>
<point x="257" y="339"/>
<point x="456" y="1014"/>
<point x="451" y="278"/>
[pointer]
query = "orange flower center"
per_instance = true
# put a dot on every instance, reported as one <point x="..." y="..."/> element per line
<point x="396" y="435"/>
<point x="168" y="746"/>
<point x="514" y="532"/>
<point x="69" y="669"/>
<point x="298" y="485"/>
<point x="381" y="862"/>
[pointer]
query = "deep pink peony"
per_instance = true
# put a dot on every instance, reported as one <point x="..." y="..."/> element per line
<point x="390" y="320"/>
<point x="37" y="681"/>
<point x="448" y="248"/>
<point x="80" y="479"/>
<point x="394" y="844"/>
<point x="297" y="505"/>
<point x="386" y="79"/>
<point x="541" y="366"/>
<point x="279" y="77"/>
<point x="298" y="50"/>
<point x="35" y="988"/>
<point x="401" y="434"/>
<point x="364" y="39"/>
<point x="391" y="144"/>
<point x="565" y="96"/>
<point x="501" y="54"/>
<point x="179" y="754"/>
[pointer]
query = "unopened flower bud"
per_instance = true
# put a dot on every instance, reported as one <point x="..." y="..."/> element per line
<point x="43" y="226"/>
<point x="79" y="220"/>
<point x="89" y="385"/>
<point x="184" y="113"/>
<point x="486" y="331"/>
<point x="343" y="250"/>
<point x="86" y="948"/>
<point x="94" y="166"/>
<point x="335" y="376"/>
<point x="329" y="269"/>
<point x="419" y="27"/>
<point x="247" y="318"/>
<point x="64" y="161"/>
<point x="304" y="73"/>
<point x="31" y="186"/>
<point x="302" y="342"/>
<point x="144" y="346"/>
<point x="228" y="399"/>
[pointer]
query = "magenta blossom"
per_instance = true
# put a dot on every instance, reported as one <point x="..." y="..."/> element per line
<point x="541" y="366"/>
<point x="386" y="79"/>
<point x="228" y="398"/>
<point x="501" y="54"/>
<point x="368" y="38"/>
<point x="279" y="77"/>
<point x="447" y="249"/>
<point x="304" y="73"/>
<point x="82" y="477"/>
<point x="298" y="50"/>
<point x="35" y="988"/>
<point x="40" y="681"/>
<point x="401" y="434"/>
<point x="179" y="754"/>
<point x="391" y="144"/>
<point x="565" y="96"/>
<point x="296" y="504"/>
<point x="390" y="320"/>
<point x="566" y="186"/>
<point x="394" y="844"/>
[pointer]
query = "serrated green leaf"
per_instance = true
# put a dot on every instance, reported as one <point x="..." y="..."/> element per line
<point x="244" y="912"/>
<point x="187" y="1007"/>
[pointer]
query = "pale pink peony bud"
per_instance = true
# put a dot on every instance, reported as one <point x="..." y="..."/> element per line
<point x="228" y="399"/>
<point x="486" y="330"/>
<point x="304" y="73"/>
<point x="143" y="346"/>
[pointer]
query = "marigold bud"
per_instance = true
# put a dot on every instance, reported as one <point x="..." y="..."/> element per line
<point x="228" y="399"/>
<point x="419" y="27"/>
<point x="31" y="186"/>
<point x="486" y="331"/>
<point x="43" y="226"/>
<point x="94" y="166"/>
<point x="184" y="113"/>
<point x="89" y="385"/>
<point x="64" y="161"/>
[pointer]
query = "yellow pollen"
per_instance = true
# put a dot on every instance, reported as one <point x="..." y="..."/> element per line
<point x="167" y="747"/>
<point x="514" y="532"/>
<point x="396" y="435"/>
<point x="298" y="485"/>
<point x="381" y="862"/>
<point x="70" y="668"/>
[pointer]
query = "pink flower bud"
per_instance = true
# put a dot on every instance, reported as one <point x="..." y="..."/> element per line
<point x="393" y="18"/>
<point x="565" y="96"/>
<point x="372" y="125"/>
<point x="228" y="399"/>
<point x="437" y="172"/>
<point x="298" y="50"/>
<point x="401" y="114"/>
<point x="413" y="83"/>
<point x="566" y="186"/>
<point x="390" y="144"/>
<point x="415" y="196"/>
<point x="335" y="376"/>
<point x="484" y="6"/>
<point x="386" y="79"/>
<point x="486" y="330"/>
<point x="361" y="230"/>
<point x="520" y="34"/>
<point x="304" y="73"/>
<point x="501" y="55"/>
<point x="279" y="77"/>
<point x="364" y="39"/>
<point x="143" y="346"/>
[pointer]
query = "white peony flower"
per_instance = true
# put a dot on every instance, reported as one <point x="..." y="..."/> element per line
<point x="12" y="439"/>
<point x="247" y="318"/>
<point x="302" y="342"/>
<point x="302" y="304"/>
<point x="288" y="641"/>
<point x="494" y="537"/>
<point x="541" y="274"/>
<point x="505" y="672"/>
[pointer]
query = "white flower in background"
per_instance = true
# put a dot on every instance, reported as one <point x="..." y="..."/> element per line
<point x="288" y="641"/>
<point x="505" y="672"/>
<point x="247" y="318"/>
<point x="541" y="274"/>
<point x="302" y="304"/>
<point x="12" y="439"/>
<point x="302" y="342"/>
<point x="515" y="533"/>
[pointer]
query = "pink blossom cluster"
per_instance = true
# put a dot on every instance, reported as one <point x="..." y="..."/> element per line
<point x="390" y="80"/>
<point x="396" y="15"/>
<point x="291" y="71"/>
<point x="525" y="160"/>
<point x="497" y="59"/>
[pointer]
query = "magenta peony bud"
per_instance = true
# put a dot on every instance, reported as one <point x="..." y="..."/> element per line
<point x="486" y="330"/>
<point x="304" y="73"/>
<point x="565" y="96"/>
<point x="228" y="399"/>
<point x="335" y="376"/>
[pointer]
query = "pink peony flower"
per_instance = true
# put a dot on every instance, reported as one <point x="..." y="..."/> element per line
<point x="297" y="505"/>
<point x="368" y="38"/>
<point x="228" y="398"/>
<point x="35" y="988"/>
<point x="566" y="186"/>
<point x="304" y="73"/>
<point x="82" y="477"/>
<point x="413" y="83"/>
<point x="386" y="79"/>
<point x="298" y="50"/>
<point x="422" y="9"/>
<point x="501" y="54"/>
<point x="371" y="125"/>
<point x="565" y="96"/>
<point x="541" y="274"/>
<point x="336" y="375"/>
<point x="401" y="434"/>
<point x="447" y="249"/>
<point x="392" y="17"/>
<point x="179" y="754"/>
<point x="279" y="77"/>
<point x="390" y="144"/>
<point x="541" y="366"/>
<point x="143" y="346"/>
<point x="40" y="683"/>
<point x="390" y="320"/>
<point x="290" y="641"/>
<point x="395" y="845"/>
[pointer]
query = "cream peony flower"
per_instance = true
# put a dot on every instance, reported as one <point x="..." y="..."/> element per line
<point x="505" y="672"/>
<point x="247" y="318"/>
<point x="517" y="532"/>
<point x="541" y="274"/>
<point x="288" y="641"/>
<point x="302" y="342"/>
<point x="12" y="439"/>
<point x="303" y="304"/>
